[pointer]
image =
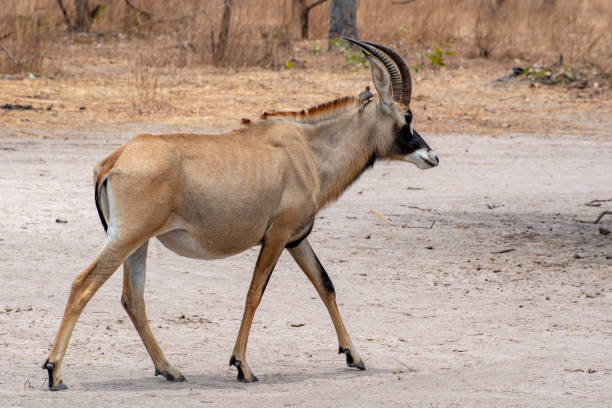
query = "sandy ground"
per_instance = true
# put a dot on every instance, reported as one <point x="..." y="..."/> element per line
<point x="441" y="312"/>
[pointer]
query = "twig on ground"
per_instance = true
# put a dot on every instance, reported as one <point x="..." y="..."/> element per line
<point x="597" y="203"/>
<point x="603" y="213"/>
<point x="382" y="217"/>
<point x="414" y="207"/>
<point x="419" y="227"/>
<point x="503" y="251"/>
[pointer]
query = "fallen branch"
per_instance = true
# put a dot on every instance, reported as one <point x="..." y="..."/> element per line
<point x="597" y="203"/>
<point x="603" y="213"/>
<point x="601" y="216"/>
<point x="382" y="217"/>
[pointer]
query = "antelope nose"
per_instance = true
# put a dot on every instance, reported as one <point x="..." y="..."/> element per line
<point x="433" y="158"/>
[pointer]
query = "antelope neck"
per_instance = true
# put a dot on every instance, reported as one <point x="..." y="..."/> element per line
<point x="342" y="150"/>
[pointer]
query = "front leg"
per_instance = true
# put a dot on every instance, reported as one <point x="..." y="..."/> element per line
<point x="268" y="256"/>
<point x="308" y="261"/>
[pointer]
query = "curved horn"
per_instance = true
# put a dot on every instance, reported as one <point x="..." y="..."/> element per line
<point x="406" y="79"/>
<point x="396" y="78"/>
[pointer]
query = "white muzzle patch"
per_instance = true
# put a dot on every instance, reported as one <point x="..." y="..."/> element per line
<point x="422" y="158"/>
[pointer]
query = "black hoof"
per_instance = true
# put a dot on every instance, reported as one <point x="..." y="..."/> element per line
<point x="241" y="377"/>
<point x="349" y="359"/>
<point x="60" y="386"/>
<point x="169" y="376"/>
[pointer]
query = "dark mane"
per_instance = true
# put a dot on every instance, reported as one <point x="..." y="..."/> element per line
<point x="316" y="113"/>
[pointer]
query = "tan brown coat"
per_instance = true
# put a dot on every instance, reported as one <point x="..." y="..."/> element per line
<point x="213" y="196"/>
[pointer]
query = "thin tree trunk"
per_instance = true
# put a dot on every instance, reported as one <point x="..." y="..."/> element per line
<point x="65" y="14"/>
<point x="221" y="45"/>
<point x="342" y="19"/>
<point x="84" y="15"/>
<point x="83" y="20"/>
<point x="300" y="10"/>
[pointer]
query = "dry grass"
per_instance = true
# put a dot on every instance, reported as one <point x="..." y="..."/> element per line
<point x="145" y="81"/>
<point x="536" y="30"/>
<point x="132" y="68"/>
<point x="533" y="29"/>
<point x="465" y="99"/>
<point x="22" y="42"/>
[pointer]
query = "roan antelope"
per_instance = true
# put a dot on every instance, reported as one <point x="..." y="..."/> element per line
<point x="212" y="196"/>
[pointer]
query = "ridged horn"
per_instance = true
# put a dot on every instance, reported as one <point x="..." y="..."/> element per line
<point x="396" y="78"/>
<point x="404" y="71"/>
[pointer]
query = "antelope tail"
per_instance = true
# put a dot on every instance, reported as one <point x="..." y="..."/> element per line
<point x="100" y="177"/>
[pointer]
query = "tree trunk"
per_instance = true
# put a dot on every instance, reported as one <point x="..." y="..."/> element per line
<point x="342" y="19"/>
<point x="83" y="19"/>
<point x="301" y="10"/>
<point x="65" y="14"/>
<point x="299" y="17"/>
<point x="304" y="24"/>
<point x="218" y="48"/>
<point x="84" y="15"/>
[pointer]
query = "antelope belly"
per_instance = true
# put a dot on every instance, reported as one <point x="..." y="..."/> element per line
<point x="185" y="244"/>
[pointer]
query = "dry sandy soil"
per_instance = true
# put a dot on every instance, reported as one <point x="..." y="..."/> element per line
<point x="486" y="291"/>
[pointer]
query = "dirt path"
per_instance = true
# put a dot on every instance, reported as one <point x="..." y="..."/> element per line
<point x="442" y="316"/>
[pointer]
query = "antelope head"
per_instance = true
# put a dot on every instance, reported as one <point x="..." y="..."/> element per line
<point x="398" y="140"/>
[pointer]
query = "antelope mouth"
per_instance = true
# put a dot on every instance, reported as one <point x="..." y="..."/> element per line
<point x="430" y="163"/>
<point x="422" y="158"/>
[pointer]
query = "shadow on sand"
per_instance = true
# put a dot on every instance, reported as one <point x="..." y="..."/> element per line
<point x="222" y="382"/>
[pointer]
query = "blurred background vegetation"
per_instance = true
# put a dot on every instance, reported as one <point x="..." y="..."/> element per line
<point x="36" y="35"/>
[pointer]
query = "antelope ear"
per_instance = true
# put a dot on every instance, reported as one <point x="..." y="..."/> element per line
<point x="382" y="80"/>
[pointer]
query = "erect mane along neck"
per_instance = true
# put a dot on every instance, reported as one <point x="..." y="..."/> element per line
<point x="319" y="113"/>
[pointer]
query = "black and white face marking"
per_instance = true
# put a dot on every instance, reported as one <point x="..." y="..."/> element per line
<point x="409" y="146"/>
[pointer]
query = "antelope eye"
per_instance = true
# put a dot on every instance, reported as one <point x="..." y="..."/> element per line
<point x="408" y="117"/>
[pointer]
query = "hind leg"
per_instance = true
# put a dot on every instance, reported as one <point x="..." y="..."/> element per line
<point x="134" y="273"/>
<point x="83" y="289"/>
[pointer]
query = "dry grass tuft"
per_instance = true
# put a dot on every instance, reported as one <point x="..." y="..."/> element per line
<point x="22" y="44"/>
<point x="145" y="81"/>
